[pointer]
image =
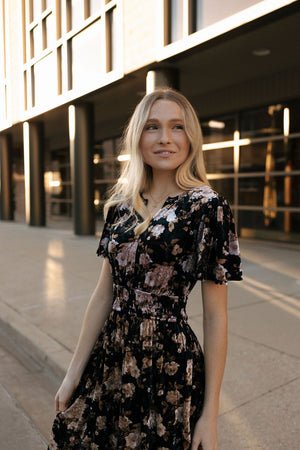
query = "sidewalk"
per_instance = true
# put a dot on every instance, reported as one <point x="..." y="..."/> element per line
<point x="47" y="277"/>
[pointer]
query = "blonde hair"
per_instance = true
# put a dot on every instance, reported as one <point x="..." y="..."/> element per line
<point x="136" y="176"/>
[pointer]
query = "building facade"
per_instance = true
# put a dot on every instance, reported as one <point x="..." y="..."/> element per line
<point x="71" y="72"/>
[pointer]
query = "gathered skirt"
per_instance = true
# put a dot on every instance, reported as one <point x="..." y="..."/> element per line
<point x="142" y="388"/>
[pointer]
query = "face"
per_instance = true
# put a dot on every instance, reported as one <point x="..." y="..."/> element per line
<point x="164" y="143"/>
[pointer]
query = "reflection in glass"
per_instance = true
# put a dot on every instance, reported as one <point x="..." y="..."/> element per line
<point x="106" y="169"/>
<point x="224" y="187"/>
<point x="111" y="40"/>
<point x="175" y="9"/>
<point x="77" y="13"/>
<point x="252" y="191"/>
<point x="294" y="116"/>
<point x="219" y="160"/>
<point x="293" y="149"/>
<point x="218" y="129"/>
<point x="266" y="121"/>
<point x="252" y="225"/>
<point x="253" y="157"/>
<point x="95" y="6"/>
<point x="196" y="15"/>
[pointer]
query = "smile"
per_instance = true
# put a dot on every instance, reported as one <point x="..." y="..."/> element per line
<point x="164" y="152"/>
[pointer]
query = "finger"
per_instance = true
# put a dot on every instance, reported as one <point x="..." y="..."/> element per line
<point x="56" y="404"/>
<point x="62" y="406"/>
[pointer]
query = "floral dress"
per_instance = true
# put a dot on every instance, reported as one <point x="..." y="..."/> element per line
<point x="143" y="386"/>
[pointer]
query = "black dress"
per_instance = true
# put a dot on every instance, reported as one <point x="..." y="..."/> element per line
<point x="143" y="386"/>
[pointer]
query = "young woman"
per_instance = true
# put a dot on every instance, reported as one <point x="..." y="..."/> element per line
<point x="138" y="378"/>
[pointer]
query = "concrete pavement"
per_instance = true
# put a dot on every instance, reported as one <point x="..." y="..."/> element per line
<point x="47" y="277"/>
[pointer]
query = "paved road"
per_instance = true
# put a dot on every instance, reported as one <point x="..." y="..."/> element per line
<point x="46" y="279"/>
<point x="26" y="400"/>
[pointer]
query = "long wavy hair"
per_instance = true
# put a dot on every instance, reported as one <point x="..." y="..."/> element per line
<point x="136" y="177"/>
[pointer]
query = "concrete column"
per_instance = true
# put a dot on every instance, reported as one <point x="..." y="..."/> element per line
<point x="6" y="190"/>
<point x="81" y="120"/>
<point x="33" y="134"/>
<point x="162" y="78"/>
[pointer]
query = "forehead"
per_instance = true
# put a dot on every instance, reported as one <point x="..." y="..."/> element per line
<point x="165" y="109"/>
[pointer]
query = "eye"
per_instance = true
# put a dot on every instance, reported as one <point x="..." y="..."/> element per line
<point x="151" y="127"/>
<point x="178" y="127"/>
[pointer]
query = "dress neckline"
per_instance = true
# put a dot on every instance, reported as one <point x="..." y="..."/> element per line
<point x="167" y="201"/>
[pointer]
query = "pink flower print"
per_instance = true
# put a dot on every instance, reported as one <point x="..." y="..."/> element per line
<point x="187" y="264"/>
<point x="157" y="230"/>
<point x="171" y="216"/>
<point x="233" y="244"/>
<point x="189" y="372"/>
<point x="171" y="226"/>
<point x="101" y="422"/>
<point x="144" y="259"/>
<point x="171" y="368"/>
<point x="159" y="277"/>
<point x="180" y="339"/>
<point x="130" y="366"/>
<point x="128" y="389"/>
<point x="124" y="423"/>
<point x="220" y="214"/>
<point x="126" y="256"/>
<point x="179" y="414"/>
<point x="220" y="273"/>
<point x="176" y="249"/>
<point x="114" y="381"/>
<point x="133" y="440"/>
<point x="173" y="397"/>
<point x="161" y="429"/>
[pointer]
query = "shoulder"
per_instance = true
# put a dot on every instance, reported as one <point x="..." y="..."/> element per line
<point x="205" y="196"/>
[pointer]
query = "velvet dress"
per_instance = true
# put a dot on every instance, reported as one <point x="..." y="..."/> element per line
<point x="143" y="386"/>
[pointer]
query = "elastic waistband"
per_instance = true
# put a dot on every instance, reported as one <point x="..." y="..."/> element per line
<point x="149" y="305"/>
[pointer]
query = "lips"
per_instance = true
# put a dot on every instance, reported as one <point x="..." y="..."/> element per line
<point x="164" y="152"/>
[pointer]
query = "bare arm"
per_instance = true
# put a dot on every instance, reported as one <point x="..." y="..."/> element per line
<point x="215" y="349"/>
<point x="97" y="311"/>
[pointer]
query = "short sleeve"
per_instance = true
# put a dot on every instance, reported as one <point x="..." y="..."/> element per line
<point x="218" y="255"/>
<point x="104" y="239"/>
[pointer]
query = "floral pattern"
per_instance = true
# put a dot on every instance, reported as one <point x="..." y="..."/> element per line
<point x="143" y="386"/>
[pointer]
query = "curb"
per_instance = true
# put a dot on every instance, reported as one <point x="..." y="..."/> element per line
<point x="49" y="354"/>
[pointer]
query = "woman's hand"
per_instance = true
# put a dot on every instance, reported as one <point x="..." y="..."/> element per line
<point x="205" y="434"/>
<point x="64" y="394"/>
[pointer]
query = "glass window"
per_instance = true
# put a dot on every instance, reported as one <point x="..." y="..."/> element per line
<point x="293" y="154"/>
<point x="294" y="116"/>
<point x="37" y="41"/>
<point x="107" y="149"/>
<point x="279" y="226"/>
<point x="224" y="187"/>
<point x="270" y="191"/>
<point x="95" y="6"/>
<point x="219" y="129"/>
<point x="111" y="54"/>
<point x="36" y="9"/>
<point x="219" y="160"/>
<point x="265" y="156"/>
<point x="48" y="31"/>
<point x="46" y="4"/>
<point x="266" y="121"/>
<point x="45" y="76"/>
<point x="87" y="64"/>
<point x="76" y="13"/>
<point x="175" y="20"/>
<point x="196" y="15"/>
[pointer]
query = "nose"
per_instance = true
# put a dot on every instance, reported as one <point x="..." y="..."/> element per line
<point x="165" y="136"/>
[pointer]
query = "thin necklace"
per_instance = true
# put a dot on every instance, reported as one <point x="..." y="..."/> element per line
<point x="159" y="201"/>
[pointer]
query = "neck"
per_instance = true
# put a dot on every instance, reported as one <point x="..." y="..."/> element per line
<point x="164" y="183"/>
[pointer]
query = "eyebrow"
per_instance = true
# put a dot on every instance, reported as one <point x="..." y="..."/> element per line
<point x="153" y="119"/>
